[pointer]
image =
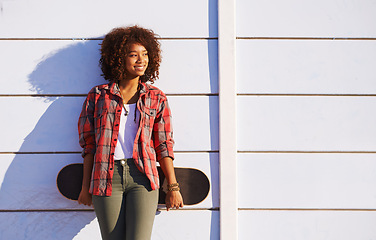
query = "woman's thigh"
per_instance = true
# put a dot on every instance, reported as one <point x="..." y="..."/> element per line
<point x="129" y="212"/>
<point x="110" y="210"/>
<point x="141" y="205"/>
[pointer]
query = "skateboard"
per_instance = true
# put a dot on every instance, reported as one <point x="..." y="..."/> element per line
<point x="194" y="184"/>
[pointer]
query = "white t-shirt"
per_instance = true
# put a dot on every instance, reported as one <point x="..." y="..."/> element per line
<point x="127" y="132"/>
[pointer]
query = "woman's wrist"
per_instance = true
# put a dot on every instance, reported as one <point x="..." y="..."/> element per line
<point x="176" y="184"/>
<point x="173" y="187"/>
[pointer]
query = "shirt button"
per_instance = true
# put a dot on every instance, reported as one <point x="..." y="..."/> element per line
<point x="116" y="125"/>
<point x="112" y="153"/>
<point x="115" y="139"/>
<point x="110" y="168"/>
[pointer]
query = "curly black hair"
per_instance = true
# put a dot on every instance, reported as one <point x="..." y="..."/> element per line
<point x="115" y="46"/>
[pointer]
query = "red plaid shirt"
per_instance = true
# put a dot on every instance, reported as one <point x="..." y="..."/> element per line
<point x="98" y="128"/>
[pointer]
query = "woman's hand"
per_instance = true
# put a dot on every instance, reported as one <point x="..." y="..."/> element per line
<point x="84" y="198"/>
<point x="174" y="200"/>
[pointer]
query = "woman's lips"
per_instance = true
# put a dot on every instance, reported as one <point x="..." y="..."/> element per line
<point x="139" y="68"/>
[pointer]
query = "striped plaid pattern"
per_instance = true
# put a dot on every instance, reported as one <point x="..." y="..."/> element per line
<point x="98" y="128"/>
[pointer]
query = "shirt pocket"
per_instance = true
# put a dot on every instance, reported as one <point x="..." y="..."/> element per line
<point x="150" y="114"/>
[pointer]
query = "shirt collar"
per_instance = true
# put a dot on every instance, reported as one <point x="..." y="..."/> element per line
<point x="143" y="88"/>
<point x="114" y="88"/>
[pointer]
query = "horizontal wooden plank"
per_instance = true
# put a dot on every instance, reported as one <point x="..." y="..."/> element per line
<point x="50" y="124"/>
<point x="294" y="18"/>
<point x="51" y="225"/>
<point x="71" y="67"/>
<point x="28" y="181"/>
<point x="195" y="121"/>
<point x="186" y="225"/>
<point x="82" y="19"/>
<point x="189" y="66"/>
<point x="315" y="181"/>
<point x="280" y="123"/>
<point x="306" y="67"/>
<point x="84" y="225"/>
<point x="312" y="225"/>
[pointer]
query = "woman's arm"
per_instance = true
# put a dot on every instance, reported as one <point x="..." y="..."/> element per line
<point x="163" y="142"/>
<point x="87" y="142"/>
<point x="86" y="128"/>
<point x="173" y="198"/>
<point x="85" y="196"/>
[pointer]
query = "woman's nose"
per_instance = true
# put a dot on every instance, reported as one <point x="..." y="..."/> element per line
<point x="141" y="58"/>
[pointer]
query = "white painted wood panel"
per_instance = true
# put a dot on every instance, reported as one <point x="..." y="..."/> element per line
<point x="35" y="124"/>
<point x="318" y="67"/>
<point x="186" y="225"/>
<point x="294" y="18"/>
<point x="334" y="181"/>
<point x="83" y="225"/>
<point x="28" y="181"/>
<point x="280" y="123"/>
<point x="195" y="121"/>
<point x="83" y="19"/>
<point x="40" y="124"/>
<point x="189" y="66"/>
<point x="307" y="225"/>
<point x="50" y="67"/>
<point x="48" y="225"/>
<point x="71" y="67"/>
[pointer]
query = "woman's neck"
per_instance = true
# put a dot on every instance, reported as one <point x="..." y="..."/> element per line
<point x="129" y="90"/>
<point x="129" y="83"/>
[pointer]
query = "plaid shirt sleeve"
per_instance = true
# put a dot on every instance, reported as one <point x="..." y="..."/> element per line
<point x="162" y="132"/>
<point x="86" y="125"/>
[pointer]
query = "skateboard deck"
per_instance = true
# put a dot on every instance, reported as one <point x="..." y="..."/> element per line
<point x="194" y="184"/>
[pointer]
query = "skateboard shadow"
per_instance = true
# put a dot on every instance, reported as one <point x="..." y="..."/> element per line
<point x="31" y="206"/>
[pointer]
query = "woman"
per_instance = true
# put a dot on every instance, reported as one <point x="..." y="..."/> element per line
<point x="124" y="129"/>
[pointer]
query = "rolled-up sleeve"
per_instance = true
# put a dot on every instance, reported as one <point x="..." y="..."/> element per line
<point x="163" y="133"/>
<point x="86" y="130"/>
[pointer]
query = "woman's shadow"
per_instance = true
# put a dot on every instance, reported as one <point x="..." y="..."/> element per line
<point x="31" y="206"/>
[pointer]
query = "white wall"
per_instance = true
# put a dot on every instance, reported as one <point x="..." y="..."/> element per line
<point x="49" y="61"/>
<point x="306" y="88"/>
<point x="306" y="120"/>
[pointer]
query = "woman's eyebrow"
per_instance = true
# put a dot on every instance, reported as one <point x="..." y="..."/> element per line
<point x="136" y="51"/>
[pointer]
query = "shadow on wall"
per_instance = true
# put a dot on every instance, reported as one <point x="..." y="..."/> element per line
<point x="214" y="132"/>
<point x="29" y="183"/>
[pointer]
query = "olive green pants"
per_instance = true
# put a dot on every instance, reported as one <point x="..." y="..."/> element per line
<point x="128" y="214"/>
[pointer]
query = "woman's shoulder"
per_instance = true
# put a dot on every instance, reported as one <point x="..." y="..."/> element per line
<point x="99" y="88"/>
<point x="153" y="90"/>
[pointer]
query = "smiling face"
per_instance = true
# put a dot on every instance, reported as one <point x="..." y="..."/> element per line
<point x="136" y="61"/>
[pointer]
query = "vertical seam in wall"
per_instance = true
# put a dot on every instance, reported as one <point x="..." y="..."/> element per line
<point x="227" y="120"/>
